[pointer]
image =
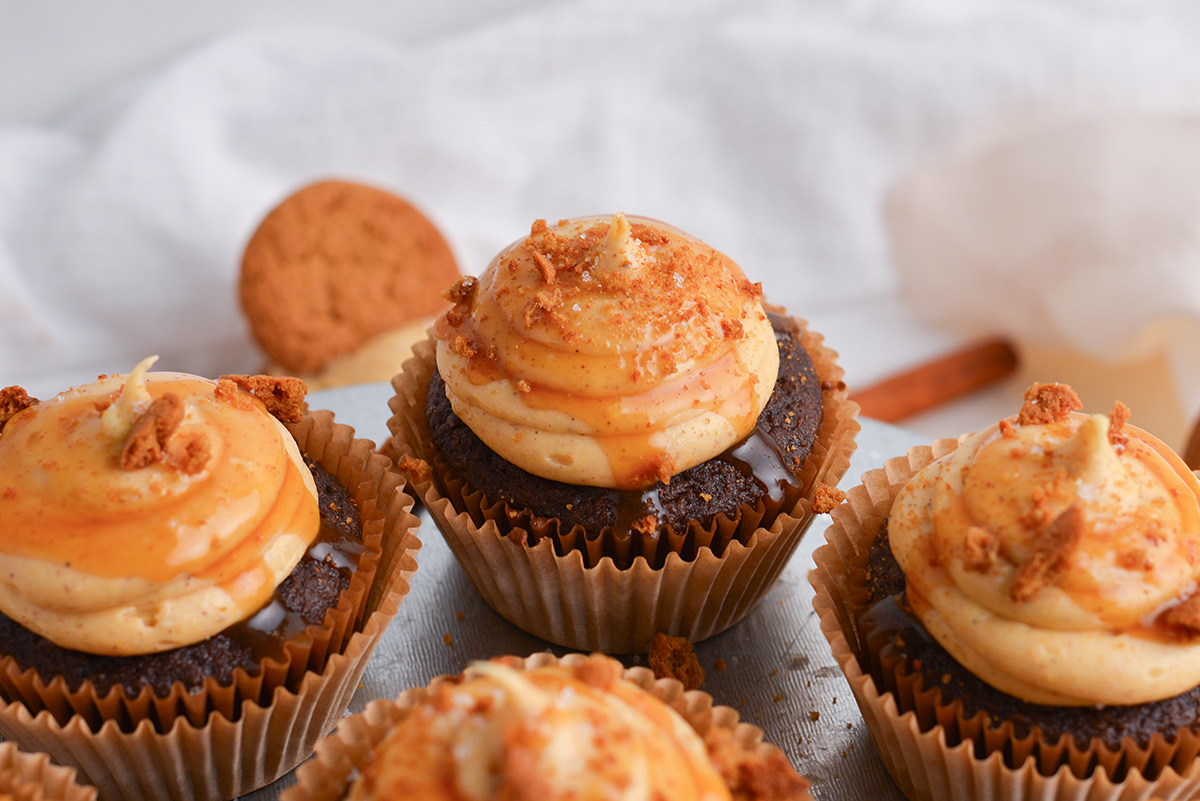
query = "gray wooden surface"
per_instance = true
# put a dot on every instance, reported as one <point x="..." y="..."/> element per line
<point x="779" y="668"/>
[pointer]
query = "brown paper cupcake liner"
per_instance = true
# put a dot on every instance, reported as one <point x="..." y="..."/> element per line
<point x="933" y="750"/>
<point x="33" y="777"/>
<point x="327" y="776"/>
<point x="608" y="594"/>
<point x="224" y="741"/>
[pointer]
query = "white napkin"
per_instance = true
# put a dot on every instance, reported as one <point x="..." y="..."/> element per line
<point x="1077" y="232"/>
<point x="769" y="128"/>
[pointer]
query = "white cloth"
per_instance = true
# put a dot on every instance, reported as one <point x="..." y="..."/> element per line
<point x="769" y="128"/>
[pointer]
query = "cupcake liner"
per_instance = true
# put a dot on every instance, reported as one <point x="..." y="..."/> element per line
<point x="327" y="776"/>
<point x="933" y="750"/>
<point x="33" y="777"/>
<point x="614" y="594"/>
<point x="223" y="741"/>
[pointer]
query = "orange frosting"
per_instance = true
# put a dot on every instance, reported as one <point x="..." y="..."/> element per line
<point x="609" y="352"/>
<point x="113" y="560"/>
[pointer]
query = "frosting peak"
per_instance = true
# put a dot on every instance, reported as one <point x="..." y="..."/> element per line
<point x="169" y="506"/>
<point x="1042" y="554"/>
<point x="608" y="351"/>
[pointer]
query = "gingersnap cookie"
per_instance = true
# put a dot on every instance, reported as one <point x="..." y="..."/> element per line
<point x="337" y="264"/>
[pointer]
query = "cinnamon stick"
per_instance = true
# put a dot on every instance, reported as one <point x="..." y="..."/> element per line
<point x="938" y="381"/>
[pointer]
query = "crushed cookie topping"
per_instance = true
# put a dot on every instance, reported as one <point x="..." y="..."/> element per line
<point x="282" y="395"/>
<point x="1051" y="555"/>
<point x="13" y="401"/>
<point x="147" y="442"/>
<point x="980" y="549"/>
<point x="1116" y="422"/>
<point x="1048" y="403"/>
<point x="1184" y="617"/>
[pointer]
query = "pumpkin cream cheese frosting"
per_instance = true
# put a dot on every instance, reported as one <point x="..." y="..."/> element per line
<point x="608" y="351"/>
<point x="146" y="512"/>
<point x="548" y="733"/>
<point x="1056" y="555"/>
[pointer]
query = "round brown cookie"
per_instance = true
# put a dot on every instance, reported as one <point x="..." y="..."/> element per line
<point x="335" y="264"/>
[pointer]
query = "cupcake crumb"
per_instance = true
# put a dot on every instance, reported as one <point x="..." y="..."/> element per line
<point x="13" y="400"/>
<point x="673" y="658"/>
<point x="827" y="499"/>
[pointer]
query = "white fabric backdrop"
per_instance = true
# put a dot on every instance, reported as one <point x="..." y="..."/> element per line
<point x="772" y="130"/>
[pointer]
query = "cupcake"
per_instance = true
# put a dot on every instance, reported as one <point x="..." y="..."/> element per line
<point x="1016" y="611"/>
<point x="580" y="728"/>
<point x="189" y="588"/>
<point x="616" y="436"/>
<point x="32" y="777"/>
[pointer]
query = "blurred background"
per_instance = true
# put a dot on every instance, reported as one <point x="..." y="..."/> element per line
<point x="912" y="178"/>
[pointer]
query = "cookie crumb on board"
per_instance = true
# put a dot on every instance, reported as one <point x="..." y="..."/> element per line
<point x="673" y="658"/>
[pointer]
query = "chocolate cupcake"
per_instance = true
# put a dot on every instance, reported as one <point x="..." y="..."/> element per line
<point x="33" y="777"/>
<point x="1014" y="611"/>
<point x="610" y="426"/>
<point x="581" y="727"/>
<point x="192" y="589"/>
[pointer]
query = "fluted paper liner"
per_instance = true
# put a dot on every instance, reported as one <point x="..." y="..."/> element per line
<point x="224" y="741"/>
<point x="932" y="750"/>
<point x="327" y="776"/>
<point x="598" y="595"/>
<point x="33" y="777"/>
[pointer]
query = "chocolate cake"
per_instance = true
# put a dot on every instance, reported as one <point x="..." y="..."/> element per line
<point x="910" y="648"/>
<point x="303" y="599"/>
<point x="764" y="463"/>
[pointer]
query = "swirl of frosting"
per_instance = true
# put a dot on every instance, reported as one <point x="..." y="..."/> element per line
<point x="160" y="552"/>
<point x="1052" y="555"/>
<point x="610" y="352"/>
<point x="552" y="733"/>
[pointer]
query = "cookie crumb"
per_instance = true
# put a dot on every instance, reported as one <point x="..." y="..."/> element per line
<point x="417" y="470"/>
<point x="448" y="639"/>
<point x="827" y="499"/>
<point x="1116" y="422"/>
<point x="459" y="615"/>
<point x="146" y="443"/>
<point x="282" y="395"/>
<point x="719" y="665"/>
<point x="647" y="525"/>
<point x="673" y="657"/>
<point x="13" y="401"/>
<point x="1048" y="403"/>
<point x="1185" y="617"/>
<point x="980" y="549"/>
<point x="814" y="716"/>
<point x="1051" y="555"/>
<point x="545" y="267"/>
